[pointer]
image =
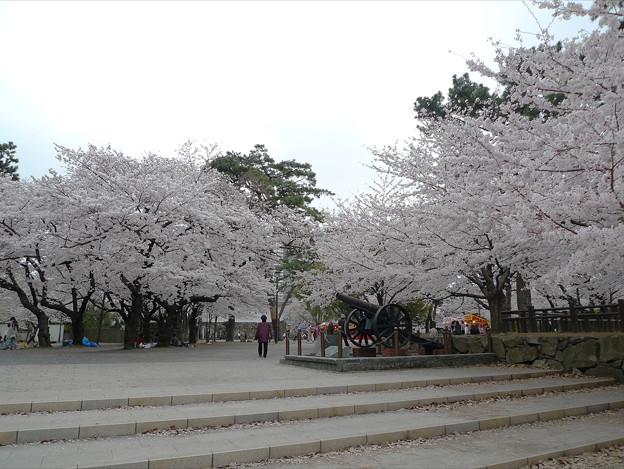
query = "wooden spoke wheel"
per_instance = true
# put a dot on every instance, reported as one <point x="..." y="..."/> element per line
<point x="358" y="330"/>
<point x="389" y="317"/>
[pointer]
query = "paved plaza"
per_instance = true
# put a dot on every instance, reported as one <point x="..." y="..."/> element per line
<point x="215" y="367"/>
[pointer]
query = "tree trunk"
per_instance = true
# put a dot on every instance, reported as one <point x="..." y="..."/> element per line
<point x="495" y="305"/>
<point x="131" y="332"/>
<point x="182" y="327"/>
<point x="208" y="327"/>
<point x="193" y="324"/>
<point x="101" y="320"/>
<point x="31" y="305"/>
<point x="507" y="296"/>
<point x="171" y="325"/>
<point x="229" y="329"/>
<point x="492" y="285"/>
<point x="44" y="331"/>
<point x="523" y="294"/>
<point x="77" y="328"/>
<point x="145" y="328"/>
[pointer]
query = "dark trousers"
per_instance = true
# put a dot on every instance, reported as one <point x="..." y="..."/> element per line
<point x="263" y="346"/>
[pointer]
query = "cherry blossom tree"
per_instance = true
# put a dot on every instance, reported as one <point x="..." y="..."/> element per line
<point x="169" y="231"/>
<point x="361" y="248"/>
<point x="484" y="196"/>
<point x="538" y="194"/>
<point x="166" y="229"/>
<point x="22" y="239"/>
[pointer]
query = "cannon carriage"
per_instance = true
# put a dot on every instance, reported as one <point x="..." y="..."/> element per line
<point x="368" y="324"/>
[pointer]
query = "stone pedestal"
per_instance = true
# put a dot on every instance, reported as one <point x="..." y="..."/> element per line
<point x="364" y="352"/>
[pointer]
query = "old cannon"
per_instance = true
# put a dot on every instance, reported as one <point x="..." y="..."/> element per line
<point x="369" y="324"/>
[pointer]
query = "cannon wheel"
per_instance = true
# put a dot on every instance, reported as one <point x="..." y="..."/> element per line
<point x="355" y="329"/>
<point x="389" y="317"/>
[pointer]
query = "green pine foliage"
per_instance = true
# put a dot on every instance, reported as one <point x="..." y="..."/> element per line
<point x="8" y="161"/>
<point x="269" y="184"/>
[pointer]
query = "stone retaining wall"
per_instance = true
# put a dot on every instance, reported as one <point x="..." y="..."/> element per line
<point x="595" y="355"/>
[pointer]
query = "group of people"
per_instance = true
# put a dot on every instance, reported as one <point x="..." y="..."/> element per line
<point x="461" y="328"/>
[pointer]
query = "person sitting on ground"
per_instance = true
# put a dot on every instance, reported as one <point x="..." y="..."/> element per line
<point x="177" y="342"/>
<point x="32" y="339"/>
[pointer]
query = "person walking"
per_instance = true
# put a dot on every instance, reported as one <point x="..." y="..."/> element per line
<point x="263" y="335"/>
<point x="12" y="333"/>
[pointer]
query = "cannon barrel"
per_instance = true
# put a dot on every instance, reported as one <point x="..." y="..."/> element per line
<point x="358" y="304"/>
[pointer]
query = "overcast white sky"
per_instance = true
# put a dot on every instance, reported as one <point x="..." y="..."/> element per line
<point x="315" y="81"/>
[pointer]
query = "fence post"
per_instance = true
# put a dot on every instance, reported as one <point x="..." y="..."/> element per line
<point x="322" y="343"/>
<point x="488" y="335"/>
<point x="339" y="342"/>
<point x="287" y="342"/>
<point x="621" y="311"/>
<point x="448" y="342"/>
<point x="299" y="342"/>
<point x="396" y="341"/>
<point x="532" y="323"/>
<point x="573" y="319"/>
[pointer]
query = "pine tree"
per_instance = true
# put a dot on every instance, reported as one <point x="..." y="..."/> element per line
<point x="8" y="161"/>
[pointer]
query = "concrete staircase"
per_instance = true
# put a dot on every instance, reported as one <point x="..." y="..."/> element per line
<point x="215" y="430"/>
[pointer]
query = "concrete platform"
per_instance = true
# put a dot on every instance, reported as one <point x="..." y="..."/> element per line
<point x="389" y="363"/>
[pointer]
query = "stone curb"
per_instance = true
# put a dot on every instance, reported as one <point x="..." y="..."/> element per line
<point x="8" y="437"/>
<point x="156" y="400"/>
<point x="303" y="447"/>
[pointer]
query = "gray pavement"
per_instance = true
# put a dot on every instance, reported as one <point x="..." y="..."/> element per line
<point x="109" y="372"/>
<point x="81" y="378"/>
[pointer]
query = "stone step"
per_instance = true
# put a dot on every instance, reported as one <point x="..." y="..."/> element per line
<point x="593" y="441"/>
<point x="91" y="399"/>
<point x="248" y="443"/>
<point x="219" y="447"/>
<point x="18" y="429"/>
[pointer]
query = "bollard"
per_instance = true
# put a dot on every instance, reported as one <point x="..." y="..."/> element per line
<point x="299" y="343"/>
<point x="339" y="342"/>
<point x="322" y="344"/>
<point x="448" y="342"/>
<point x="396" y="341"/>
<point x="287" y="342"/>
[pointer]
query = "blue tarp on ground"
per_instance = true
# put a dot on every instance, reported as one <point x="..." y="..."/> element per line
<point x="87" y="343"/>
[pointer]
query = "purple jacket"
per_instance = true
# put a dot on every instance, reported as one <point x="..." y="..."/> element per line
<point x="263" y="332"/>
